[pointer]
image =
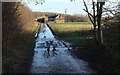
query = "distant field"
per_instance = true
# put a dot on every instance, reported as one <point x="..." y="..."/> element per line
<point x="71" y="23"/>
<point x="71" y="26"/>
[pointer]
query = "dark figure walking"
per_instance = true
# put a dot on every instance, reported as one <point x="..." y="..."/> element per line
<point x="51" y="42"/>
<point x="48" y="50"/>
<point x="48" y="47"/>
<point x="54" y="47"/>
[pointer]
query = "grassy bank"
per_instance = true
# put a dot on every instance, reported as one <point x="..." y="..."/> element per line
<point x="102" y="59"/>
<point x="74" y="32"/>
<point x="111" y="54"/>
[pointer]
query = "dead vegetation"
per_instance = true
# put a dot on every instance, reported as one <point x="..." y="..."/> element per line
<point x="18" y="38"/>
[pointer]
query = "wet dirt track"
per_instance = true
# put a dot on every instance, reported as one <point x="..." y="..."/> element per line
<point x="60" y="61"/>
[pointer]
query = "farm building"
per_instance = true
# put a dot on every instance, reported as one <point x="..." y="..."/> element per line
<point x="59" y="19"/>
<point x="55" y="18"/>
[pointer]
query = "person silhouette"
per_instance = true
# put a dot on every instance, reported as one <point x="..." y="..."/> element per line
<point x="48" y="47"/>
<point x="54" y="47"/>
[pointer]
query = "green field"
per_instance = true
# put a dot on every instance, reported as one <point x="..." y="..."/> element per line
<point x="71" y="26"/>
<point x="76" y="33"/>
<point x="75" y="23"/>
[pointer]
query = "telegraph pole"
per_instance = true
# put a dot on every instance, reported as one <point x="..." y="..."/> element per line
<point x="66" y="14"/>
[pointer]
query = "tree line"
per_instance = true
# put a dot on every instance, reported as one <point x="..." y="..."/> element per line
<point x="67" y="17"/>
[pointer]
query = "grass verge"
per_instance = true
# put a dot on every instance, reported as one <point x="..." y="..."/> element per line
<point x="102" y="59"/>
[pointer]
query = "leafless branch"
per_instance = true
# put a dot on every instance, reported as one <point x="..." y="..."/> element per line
<point x="89" y="14"/>
<point x="108" y="10"/>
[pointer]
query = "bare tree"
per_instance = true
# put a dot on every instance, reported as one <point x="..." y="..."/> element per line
<point x="111" y="7"/>
<point x="95" y="18"/>
<point x="99" y="15"/>
<point x="92" y="17"/>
